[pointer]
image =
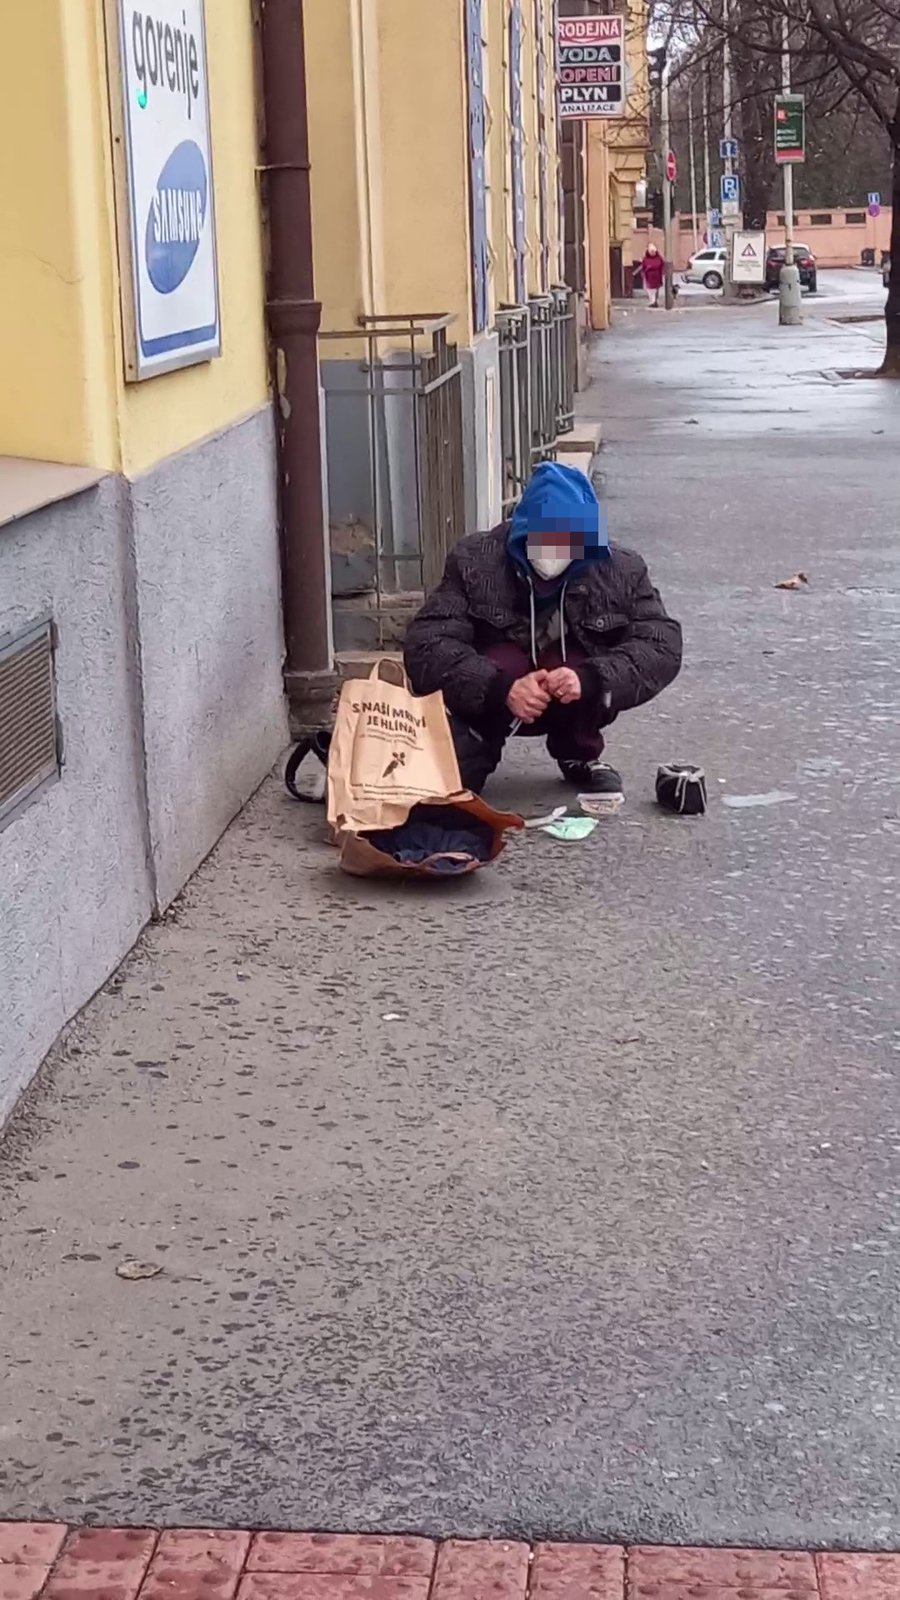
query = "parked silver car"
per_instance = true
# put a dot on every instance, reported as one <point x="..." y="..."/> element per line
<point x="706" y="267"/>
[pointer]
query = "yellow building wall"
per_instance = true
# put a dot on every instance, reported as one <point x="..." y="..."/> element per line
<point x="344" y="136"/>
<point x="52" y="393"/>
<point x="557" y="274"/>
<point x="424" y="160"/>
<point x="531" y="150"/>
<point x="497" y="85"/>
<point x="389" y="157"/>
<point x="617" y="155"/>
<point x="497" y="94"/>
<point x="60" y="320"/>
<point x="597" y="206"/>
<point x="629" y="138"/>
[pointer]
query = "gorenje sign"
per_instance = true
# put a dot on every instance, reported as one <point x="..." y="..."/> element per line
<point x="590" y="66"/>
<point x="790" y="128"/>
<point x="167" y="183"/>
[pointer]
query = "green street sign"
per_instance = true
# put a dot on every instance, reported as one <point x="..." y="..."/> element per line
<point x="790" y="128"/>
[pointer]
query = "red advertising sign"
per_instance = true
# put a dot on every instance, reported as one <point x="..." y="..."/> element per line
<point x="590" y="66"/>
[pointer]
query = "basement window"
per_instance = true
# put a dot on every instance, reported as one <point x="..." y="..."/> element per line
<point x="29" y="738"/>
<point x="820" y="219"/>
<point x="855" y="219"/>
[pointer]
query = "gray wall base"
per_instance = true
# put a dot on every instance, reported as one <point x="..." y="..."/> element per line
<point x="208" y="593"/>
<point x="165" y="596"/>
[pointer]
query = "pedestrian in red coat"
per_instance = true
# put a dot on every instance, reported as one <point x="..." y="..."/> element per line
<point x="653" y="270"/>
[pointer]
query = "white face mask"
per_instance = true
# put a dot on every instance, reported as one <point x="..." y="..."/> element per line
<point x="549" y="566"/>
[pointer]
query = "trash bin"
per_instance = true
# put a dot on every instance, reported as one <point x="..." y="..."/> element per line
<point x="868" y="258"/>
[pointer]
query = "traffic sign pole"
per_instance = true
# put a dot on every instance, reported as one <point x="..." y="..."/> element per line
<point x="668" y="164"/>
<point x="729" y="221"/>
<point x="790" y="304"/>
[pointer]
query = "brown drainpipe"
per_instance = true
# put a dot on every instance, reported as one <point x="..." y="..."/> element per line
<point x="294" y="316"/>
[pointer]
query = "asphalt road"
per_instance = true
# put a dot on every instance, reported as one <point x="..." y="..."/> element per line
<point x="834" y="283"/>
<point x="565" y="1201"/>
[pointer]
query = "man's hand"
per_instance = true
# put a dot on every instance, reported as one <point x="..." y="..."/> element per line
<point x="564" y="685"/>
<point x="529" y="697"/>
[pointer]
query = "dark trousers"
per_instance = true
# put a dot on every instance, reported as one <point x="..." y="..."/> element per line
<point x="570" y="731"/>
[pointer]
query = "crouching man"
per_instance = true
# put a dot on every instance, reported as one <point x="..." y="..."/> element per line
<point x="542" y="627"/>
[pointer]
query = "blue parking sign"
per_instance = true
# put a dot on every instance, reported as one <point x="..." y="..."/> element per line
<point x="730" y="187"/>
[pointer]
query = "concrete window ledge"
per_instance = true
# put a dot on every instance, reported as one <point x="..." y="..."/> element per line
<point x="27" y="486"/>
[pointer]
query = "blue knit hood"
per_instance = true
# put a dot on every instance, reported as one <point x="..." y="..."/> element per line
<point x="559" y="499"/>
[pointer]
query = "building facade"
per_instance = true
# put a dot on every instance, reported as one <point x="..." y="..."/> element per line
<point x="157" y="158"/>
<point x="445" y="323"/>
<point x="140" y="627"/>
<point x="616" y="161"/>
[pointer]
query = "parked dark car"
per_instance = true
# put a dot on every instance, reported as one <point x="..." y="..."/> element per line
<point x="886" y="271"/>
<point x="804" y="261"/>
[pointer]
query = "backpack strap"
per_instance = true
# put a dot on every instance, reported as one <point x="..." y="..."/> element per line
<point x="315" y="744"/>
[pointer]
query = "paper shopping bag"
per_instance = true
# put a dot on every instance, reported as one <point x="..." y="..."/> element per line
<point x="386" y="853"/>
<point x="390" y="750"/>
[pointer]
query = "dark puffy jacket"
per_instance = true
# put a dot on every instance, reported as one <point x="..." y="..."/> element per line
<point x="612" y="612"/>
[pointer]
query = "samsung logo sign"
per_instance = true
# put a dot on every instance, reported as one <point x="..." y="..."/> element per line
<point x="166" y="163"/>
<point x="176" y="219"/>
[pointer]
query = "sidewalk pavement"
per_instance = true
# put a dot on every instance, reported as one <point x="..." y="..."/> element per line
<point x="49" y="1562"/>
<point x="563" y="1203"/>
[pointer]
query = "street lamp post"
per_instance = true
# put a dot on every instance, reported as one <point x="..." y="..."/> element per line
<point x="693" y="167"/>
<point x="790" y="313"/>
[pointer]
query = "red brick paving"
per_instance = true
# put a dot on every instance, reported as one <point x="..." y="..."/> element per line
<point x="687" y="1574"/>
<point x="45" y="1561"/>
<point x="197" y="1564"/>
<point x="578" y="1572"/>
<point x="859" y="1577"/>
<point x="367" y="1554"/>
<point x="494" y="1570"/>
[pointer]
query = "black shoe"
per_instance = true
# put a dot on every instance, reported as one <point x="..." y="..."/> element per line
<point x="593" y="777"/>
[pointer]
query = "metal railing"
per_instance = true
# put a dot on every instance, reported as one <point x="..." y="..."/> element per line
<point x="514" y="330"/>
<point x="538" y="373"/>
<point x="543" y="386"/>
<point x="565" y="355"/>
<point x="394" y="448"/>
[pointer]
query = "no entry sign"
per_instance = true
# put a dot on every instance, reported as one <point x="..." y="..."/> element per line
<point x="671" y="166"/>
<point x="590" y="76"/>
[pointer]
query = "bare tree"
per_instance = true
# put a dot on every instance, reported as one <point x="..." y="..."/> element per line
<point x="847" y="50"/>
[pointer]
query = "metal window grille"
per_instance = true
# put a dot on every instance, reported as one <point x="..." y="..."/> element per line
<point x="402" y="402"/>
<point x="29" y="744"/>
<point x="543" y="391"/>
<point x="514" y="330"/>
<point x="565" y="356"/>
<point x="538" y="370"/>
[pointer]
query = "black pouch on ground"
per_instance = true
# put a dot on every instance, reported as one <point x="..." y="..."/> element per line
<point x="681" y="787"/>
